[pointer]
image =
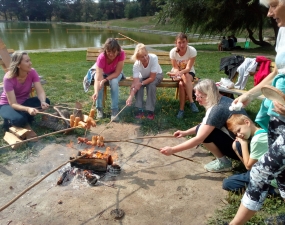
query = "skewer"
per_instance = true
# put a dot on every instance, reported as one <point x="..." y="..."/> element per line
<point x="33" y="185"/>
<point x="112" y="120"/>
<point x="44" y="135"/>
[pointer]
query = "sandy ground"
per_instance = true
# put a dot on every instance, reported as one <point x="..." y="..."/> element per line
<point x="151" y="188"/>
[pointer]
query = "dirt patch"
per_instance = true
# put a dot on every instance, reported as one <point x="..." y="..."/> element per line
<point x="151" y="188"/>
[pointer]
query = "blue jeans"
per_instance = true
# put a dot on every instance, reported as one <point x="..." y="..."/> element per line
<point x="239" y="182"/>
<point x="114" y="85"/>
<point x="19" y="118"/>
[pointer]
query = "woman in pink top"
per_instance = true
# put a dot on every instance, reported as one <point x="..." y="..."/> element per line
<point x="109" y="66"/>
<point x="16" y="106"/>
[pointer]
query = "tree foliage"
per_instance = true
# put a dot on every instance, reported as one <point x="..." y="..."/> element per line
<point x="217" y="17"/>
<point x="72" y="10"/>
<point x="132" y="10"/>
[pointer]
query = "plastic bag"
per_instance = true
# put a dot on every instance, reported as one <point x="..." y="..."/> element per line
<point x="227" y="83"/>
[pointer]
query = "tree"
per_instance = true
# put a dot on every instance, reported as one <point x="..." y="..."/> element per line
<point x="217" y="17"/>
<point x="148" y="7"/>
<point x="132" y="10"/>
<point x="4" y="8"/>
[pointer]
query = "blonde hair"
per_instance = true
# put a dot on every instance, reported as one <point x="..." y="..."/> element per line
<point x="16" y="59"/>
<point x="236" y="119"/>
<point x="140" y="49"/>
<point x="209" y="88"/>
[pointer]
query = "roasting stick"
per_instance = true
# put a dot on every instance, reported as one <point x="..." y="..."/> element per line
<point x="128" y="140"/>
<point x="44" y="135"/>
<point x="145" y="137"/>
<point x="60" y="117"/>
<point x="112" y="120"/>
<point x="33" y="185"/>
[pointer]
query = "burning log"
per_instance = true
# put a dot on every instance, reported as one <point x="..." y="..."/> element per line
<point x="93" y="160"/>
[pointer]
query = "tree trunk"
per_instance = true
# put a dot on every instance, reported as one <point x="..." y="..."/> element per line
<point x="259" y="42"/>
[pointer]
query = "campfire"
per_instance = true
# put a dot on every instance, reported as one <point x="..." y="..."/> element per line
<point x="90" y="164"/>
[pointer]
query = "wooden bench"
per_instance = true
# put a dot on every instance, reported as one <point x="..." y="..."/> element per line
<point x="163" y="57"/>
<point x="165" y="83"/>
<point x="234" y="91"/>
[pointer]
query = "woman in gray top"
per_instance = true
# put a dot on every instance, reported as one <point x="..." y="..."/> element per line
<point x="212" y="131"/>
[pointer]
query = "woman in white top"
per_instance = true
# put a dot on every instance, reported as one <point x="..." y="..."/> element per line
<point x="182" y="59"/>
<point x="147" y="73"/>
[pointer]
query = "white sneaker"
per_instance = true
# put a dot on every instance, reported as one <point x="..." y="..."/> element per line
<point x="218" y="166"/>
<point x="99" y="114"/>
<point x="114" y="116"/>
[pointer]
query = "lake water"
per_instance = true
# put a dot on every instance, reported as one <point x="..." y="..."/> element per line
<point x="31" y="36"/>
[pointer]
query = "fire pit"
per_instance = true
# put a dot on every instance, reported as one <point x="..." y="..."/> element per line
<point x="90" y="168"/>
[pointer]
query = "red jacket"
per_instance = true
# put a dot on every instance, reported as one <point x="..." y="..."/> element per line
<point x="264" y="69"/>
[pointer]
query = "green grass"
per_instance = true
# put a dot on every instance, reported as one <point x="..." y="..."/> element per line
<point x="64" y="73"/>
<point x="272" y="207"/>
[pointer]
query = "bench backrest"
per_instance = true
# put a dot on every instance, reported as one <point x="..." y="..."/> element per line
<point x="163" y="57"/>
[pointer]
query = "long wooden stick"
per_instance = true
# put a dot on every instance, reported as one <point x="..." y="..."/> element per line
<point x="128" y="38"/>
<point x="33" y="185"/>
<point x="159" y="150"/>
<point x="112" y="120"/>
<point x="49" y="114"/>
<point x="63" y="117"/>
<point x="146" y="137"/>
<point x="44" y="135"/>
<point x="129" y="141"/>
